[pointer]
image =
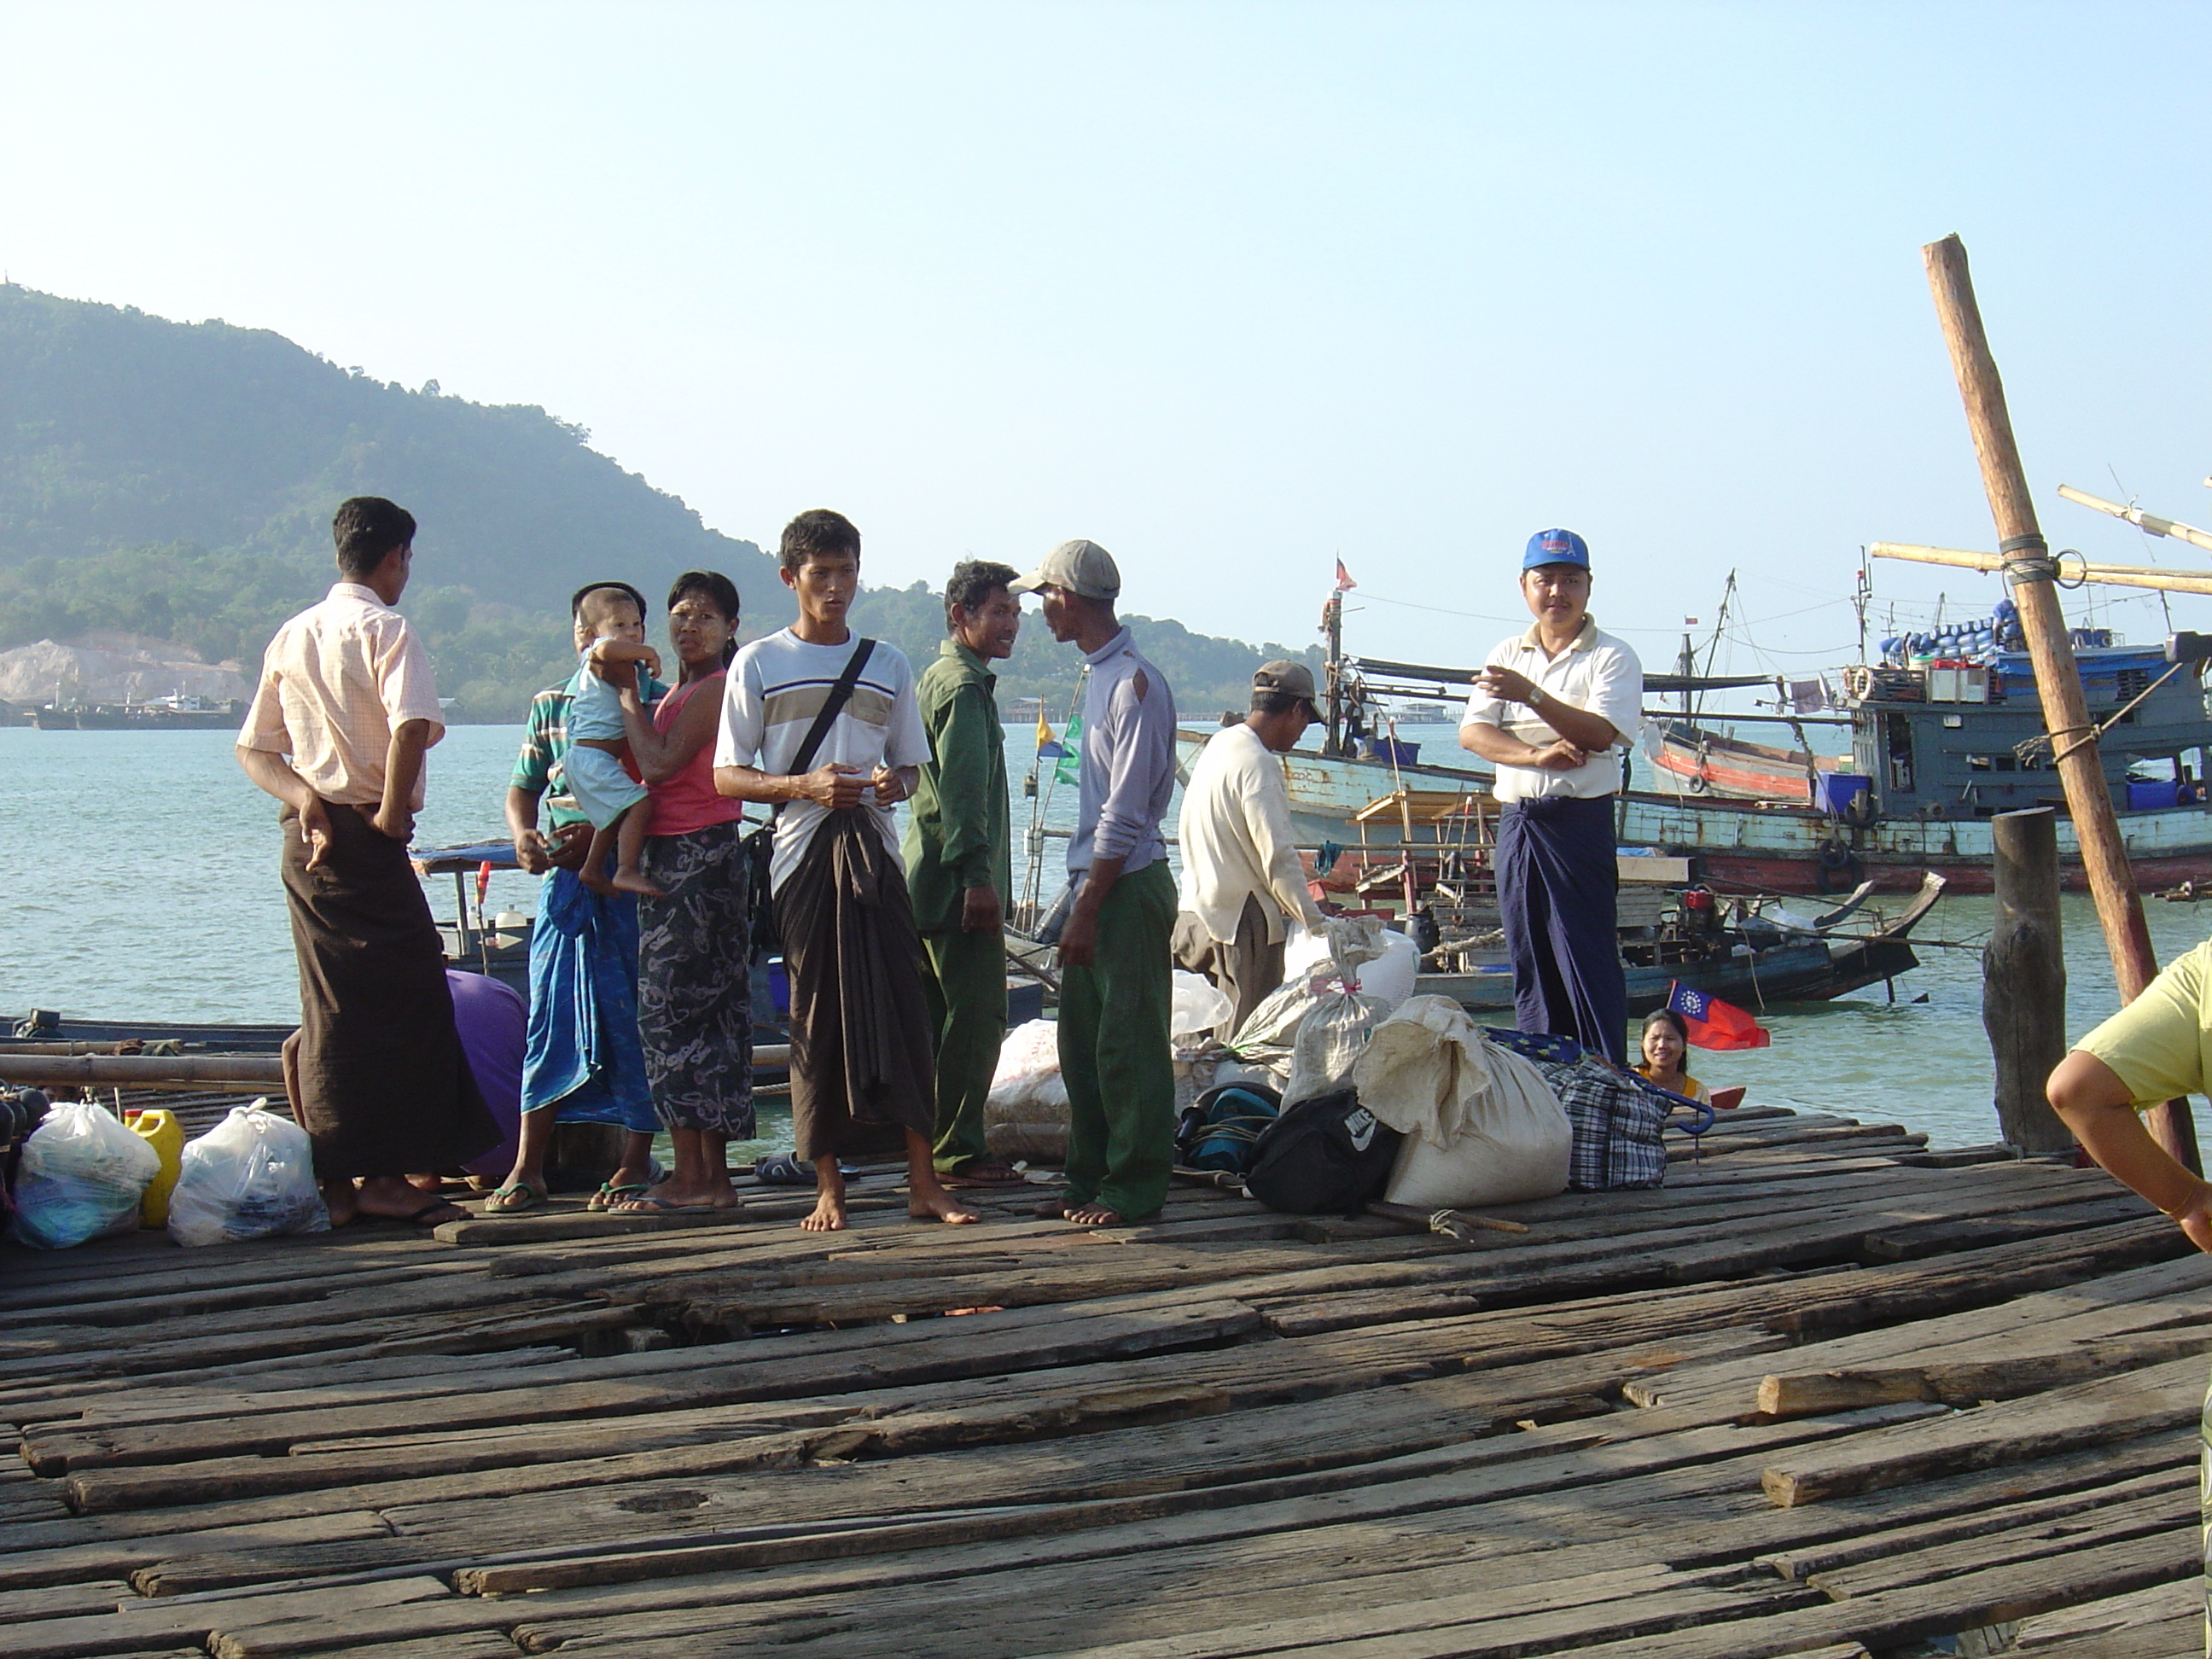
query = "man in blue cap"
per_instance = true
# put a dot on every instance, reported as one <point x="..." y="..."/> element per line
<point x="1550" y="709"/>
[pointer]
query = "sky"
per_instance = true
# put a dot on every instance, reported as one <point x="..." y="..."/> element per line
<point x="1235" y="290"/>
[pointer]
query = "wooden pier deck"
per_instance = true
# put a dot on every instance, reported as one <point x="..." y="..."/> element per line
<point x="1825" y="1394"/>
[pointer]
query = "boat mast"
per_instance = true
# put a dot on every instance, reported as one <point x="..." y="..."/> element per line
<point x="1332" y="628"/>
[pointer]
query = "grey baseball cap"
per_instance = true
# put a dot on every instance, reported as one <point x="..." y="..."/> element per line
<point x="1080" y="566"/>
<point x="1293" y="680"/>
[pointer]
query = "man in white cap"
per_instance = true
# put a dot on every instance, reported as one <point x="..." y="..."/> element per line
<point x="1114" y="950"/>
<point x="1241" y="874"/>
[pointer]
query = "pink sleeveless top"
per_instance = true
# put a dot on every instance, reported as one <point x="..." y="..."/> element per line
<point x="688" y="801"/>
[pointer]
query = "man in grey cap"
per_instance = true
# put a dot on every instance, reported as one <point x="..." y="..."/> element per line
<point x="1241" y="873"/>
<point x="1114" y="950"/>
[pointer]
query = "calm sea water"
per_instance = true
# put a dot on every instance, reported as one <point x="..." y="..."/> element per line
<point x="141" y="883"/>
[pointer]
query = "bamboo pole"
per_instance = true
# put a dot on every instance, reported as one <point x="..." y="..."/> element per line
<point x="2030" y="569"/>
<point x="2141" y="519"/>
<point x="2073" y="568"/>
<point x="144" y="1071"/>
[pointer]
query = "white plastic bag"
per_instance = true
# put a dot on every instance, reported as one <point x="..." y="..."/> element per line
<point x="82" y="1175"/>
<point x="1199" y="1010"/>
<point x="1025" y="1115"/>
<point x="250" y="1176"/>
<point x="1336" y="1026"/>
<point x="1480" y="1125"/>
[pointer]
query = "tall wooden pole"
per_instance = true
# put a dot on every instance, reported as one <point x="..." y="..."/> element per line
<point x="2030" y="569"/>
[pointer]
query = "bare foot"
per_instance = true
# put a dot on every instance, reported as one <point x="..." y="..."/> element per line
<point x="390" y="1198"/>
<point x="942" y="1206"/>
<point x="596" y="880"/>
<point x="1094" y="1215"/>
<point x="630" y="881"/>
<point x="670" y="1196"/>
<point x="827" y="1215"/>
<point x="340" y="1200"/>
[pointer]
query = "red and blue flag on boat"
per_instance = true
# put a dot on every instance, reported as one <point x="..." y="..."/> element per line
<point x="1713" y="1023"/>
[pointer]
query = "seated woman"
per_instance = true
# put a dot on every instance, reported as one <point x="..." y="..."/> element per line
<point x="1666" y="1041"/>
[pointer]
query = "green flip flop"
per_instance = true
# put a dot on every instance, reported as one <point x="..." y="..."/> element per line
<point x="514" y="1200"/>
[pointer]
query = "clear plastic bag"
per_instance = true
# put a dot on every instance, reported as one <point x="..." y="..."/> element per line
<point x="1025" y="1116"/>
<point x="1199" y="1010"/>
<point x="83" y="1175"/>
<point x="250" y="1176"/>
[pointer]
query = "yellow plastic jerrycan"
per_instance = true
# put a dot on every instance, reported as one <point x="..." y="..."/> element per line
<point x="167" y="1136"/>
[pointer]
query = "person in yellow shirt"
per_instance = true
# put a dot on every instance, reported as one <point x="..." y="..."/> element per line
<point x="1666" y="1041"/>
<point x="2155" y="1048"/>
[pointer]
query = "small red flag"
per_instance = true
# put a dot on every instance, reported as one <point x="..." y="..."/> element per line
<point x="1713" y="1023"/>
<point x="1343" y="577"/>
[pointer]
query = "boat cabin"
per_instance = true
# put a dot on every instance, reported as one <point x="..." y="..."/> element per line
<point x="1967" y="739"/>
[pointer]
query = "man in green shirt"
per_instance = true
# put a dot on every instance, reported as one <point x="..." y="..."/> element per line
<point x="959" y="862"/>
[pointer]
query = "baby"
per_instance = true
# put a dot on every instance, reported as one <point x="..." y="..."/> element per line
<point x="593" y="771"/>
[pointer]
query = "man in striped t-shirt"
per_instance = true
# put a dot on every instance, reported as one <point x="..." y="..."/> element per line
<point x="860" y="1050"/>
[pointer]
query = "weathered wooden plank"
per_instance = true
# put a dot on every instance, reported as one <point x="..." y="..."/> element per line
<point x="1803" y="1394"/>
<point x="1834" y="1554"/>
<point x="986" y="1350"/>
<point x="2170" y="1293"/>
<point x="60" y="1552"/>
<point x="62" y="1600"/>
<point x="2161" y="1604"/>
<point x="172" y="1621"/>
<point x="2133" y="1404"/>
<point x="2171" y="1508"/>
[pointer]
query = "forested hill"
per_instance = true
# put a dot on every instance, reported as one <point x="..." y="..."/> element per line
<point x="177" y="481"/>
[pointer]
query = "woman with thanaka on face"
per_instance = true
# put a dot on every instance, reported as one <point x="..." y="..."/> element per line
<point x="1666" y="1045"/>
<point x="597" y="781"/>
<point x="695" y="940"/>
<point x="859" y="1024"/>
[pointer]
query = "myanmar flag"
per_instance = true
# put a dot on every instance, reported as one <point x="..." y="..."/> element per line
<point x="1714" y="1024"/>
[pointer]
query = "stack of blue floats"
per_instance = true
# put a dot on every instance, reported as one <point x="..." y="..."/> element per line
<point x="1985" y="640"/>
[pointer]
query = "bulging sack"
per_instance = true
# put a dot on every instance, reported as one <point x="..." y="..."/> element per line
<point x="83" y="1175"/>
<point x="250" y="1176"/>
<point x="1480" y="1125"/>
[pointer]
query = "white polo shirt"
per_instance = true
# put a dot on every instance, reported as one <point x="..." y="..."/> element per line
<point x="1596" y="673"/>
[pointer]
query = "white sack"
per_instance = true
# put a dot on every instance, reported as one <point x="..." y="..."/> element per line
<point x="1480" y="1126"/>
<point x="83" y="1175"/>
<point x="250" y="1176"/>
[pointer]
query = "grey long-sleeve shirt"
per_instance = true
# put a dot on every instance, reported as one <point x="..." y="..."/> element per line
<point x="1129" y="770"/>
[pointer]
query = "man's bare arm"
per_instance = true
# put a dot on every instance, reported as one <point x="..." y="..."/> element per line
<point x="403" y="770"/>
<point x="272" y="774"/>
<point x="2089" y="1098"/>
<point x="1502" y="748"/>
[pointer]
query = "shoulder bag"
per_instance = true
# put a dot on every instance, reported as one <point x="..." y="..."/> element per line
<point x="760" y="845"/>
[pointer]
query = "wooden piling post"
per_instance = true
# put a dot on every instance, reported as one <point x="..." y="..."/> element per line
<point x="2023" y="979"/>
<point x="2030" y="571"/>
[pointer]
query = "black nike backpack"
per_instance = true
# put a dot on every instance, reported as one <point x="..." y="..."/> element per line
<point x="1326" y="1156"/>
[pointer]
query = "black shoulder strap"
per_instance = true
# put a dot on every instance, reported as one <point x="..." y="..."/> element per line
<point x="832" y="706"/>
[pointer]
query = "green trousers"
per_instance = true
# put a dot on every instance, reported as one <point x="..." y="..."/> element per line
<point x="964" y="977"/>
<point x="1113" y="1052"/>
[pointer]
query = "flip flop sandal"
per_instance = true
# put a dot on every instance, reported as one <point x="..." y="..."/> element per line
<point x="609" y="1194"/>
<point x="670" y="1206"/>
<point x="984" y="1175"/>
<point x="509" y="1200"/>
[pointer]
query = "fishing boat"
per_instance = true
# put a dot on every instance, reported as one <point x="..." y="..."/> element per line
<point x="1944" y="732"/>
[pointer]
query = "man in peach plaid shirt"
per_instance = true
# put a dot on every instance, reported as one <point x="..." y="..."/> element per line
<point x="343" y="714"/>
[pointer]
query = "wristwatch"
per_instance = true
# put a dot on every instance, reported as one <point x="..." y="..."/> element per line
<point x="1535" y="696"/>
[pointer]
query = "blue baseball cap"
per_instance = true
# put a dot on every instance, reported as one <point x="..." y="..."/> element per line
<point x="1556" y="547"/>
